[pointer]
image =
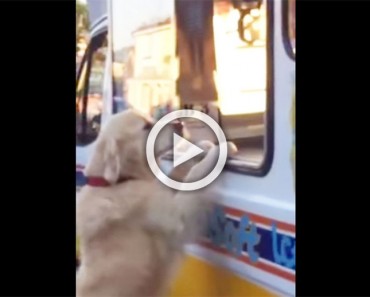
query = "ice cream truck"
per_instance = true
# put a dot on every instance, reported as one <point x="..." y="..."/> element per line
<point x="232" y="59"/>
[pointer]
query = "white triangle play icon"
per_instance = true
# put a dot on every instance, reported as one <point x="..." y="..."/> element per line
<point x="179" y="156"/>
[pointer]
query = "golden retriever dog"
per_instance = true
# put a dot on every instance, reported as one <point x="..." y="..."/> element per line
<point x="132" y="228"/>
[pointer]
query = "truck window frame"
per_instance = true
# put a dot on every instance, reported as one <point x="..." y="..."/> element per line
<point x="88" y="61"/>
<point x="285" y="29"/>
<point x="244" y="166"/>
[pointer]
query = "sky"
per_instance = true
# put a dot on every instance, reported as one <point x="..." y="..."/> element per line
<point x="128" y="15"/>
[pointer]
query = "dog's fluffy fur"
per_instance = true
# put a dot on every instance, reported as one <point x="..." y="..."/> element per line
<point x="132" y="233"/>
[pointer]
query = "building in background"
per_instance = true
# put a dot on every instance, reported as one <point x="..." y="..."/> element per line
<point x="152" y="67"/>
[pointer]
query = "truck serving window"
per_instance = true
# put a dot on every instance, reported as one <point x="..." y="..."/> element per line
<point x="175" y="54"/>
<point x="89" y="93"/>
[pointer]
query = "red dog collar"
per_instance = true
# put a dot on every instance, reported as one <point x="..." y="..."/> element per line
<point x="97" y="181"/>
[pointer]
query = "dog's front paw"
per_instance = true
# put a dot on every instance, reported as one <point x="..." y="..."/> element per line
<point x="205" y="145"/>
<point x="232" y="150"/>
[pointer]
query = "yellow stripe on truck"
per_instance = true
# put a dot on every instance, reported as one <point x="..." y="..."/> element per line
<point x="198" y="278"/>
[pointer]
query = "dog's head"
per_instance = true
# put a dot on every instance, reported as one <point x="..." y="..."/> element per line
<point x="120" y="147"/>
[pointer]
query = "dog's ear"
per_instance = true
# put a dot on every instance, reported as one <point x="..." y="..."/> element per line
<point x="111" y="157"/>
<point x="105" y="160"/>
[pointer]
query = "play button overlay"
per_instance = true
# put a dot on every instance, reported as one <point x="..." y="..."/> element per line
<point x="179" y="156"/>
<point x="191" y="151"/>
